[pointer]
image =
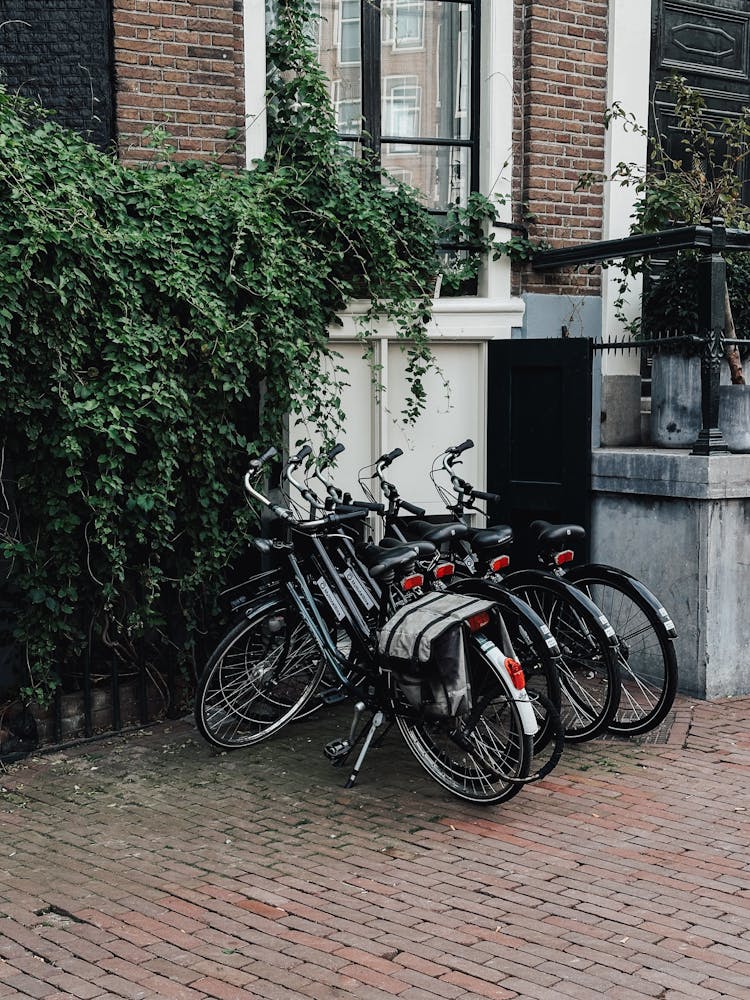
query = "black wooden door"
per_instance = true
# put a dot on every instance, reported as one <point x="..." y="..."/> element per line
<point x="539" y="435"/>
<point x="708" y="43"/>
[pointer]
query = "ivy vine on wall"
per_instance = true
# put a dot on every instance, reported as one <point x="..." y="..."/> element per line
<point x="139" y="311"/>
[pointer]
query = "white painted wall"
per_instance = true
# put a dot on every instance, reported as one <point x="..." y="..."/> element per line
<point x="627" y="82"/>
<point x="254" y="40"/>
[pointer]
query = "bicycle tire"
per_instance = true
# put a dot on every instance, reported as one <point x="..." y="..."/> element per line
<point x="547" y="756"/>
<point x="532" y="644"/>
<point x="588" y="670"/>
<point x="646" y="654"/>
<point x="258" y="678"/>
<point x="484" y="759"/>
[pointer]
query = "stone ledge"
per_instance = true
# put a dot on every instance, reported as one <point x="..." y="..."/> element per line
<point x="667" y="472"/>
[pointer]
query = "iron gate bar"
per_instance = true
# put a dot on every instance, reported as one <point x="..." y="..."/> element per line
<point x="712" y="243"/>
<point x="663" y="241"/>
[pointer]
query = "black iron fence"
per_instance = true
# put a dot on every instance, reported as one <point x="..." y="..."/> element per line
<point x="711" y="243"/>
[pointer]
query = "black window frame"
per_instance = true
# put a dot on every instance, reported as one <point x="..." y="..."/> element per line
<point x="371" y="136"/>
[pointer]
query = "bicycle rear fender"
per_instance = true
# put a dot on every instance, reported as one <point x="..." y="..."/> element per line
<point x="497" y="592"/>
<point x="614" y="575"/>
<point x="525" y="577"/>
<point x="521" y="698"/>
<point x="258" y="588"/>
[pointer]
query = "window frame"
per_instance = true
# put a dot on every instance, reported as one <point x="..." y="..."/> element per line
<point x="373" y="138"/>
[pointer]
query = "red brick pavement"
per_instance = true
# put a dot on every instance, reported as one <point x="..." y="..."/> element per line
<point x="147" y="866"/>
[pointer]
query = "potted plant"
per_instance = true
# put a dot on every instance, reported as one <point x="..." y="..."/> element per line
<point x="691" y="182"/>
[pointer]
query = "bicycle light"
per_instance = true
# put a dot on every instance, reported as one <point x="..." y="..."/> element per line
<point x="410" y="582"/>
<point x="499" y="562"/>
<point x="477" y="621"/>
<point x="516" y="673"/>
<point x="444" y="569"/>
<point x="565" y="556"/>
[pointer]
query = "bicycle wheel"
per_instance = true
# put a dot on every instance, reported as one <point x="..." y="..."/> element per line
<point x="258" y="678"/>
<point x="646" y="655"/>
<point x="588" y="669"/>
<point x="482" y="758"/>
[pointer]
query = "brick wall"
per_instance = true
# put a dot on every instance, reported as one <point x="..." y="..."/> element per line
<point x="179" y="64"/>
<point x="561" y="80"/>
<point x="59" y="53"/>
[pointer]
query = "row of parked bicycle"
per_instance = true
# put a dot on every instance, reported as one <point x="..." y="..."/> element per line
<point x="486" y="672"/>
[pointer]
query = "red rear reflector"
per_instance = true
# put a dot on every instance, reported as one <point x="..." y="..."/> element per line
<point x="444" y="569"/>
<point x="516" y="673"/>
<point x="477" y="621"/>
<point x="500" y="562"/>
<point x="565" y="556"/>
<point x="410" y="582"/>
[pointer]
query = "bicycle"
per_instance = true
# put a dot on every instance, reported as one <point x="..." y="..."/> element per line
<point x="525" y="637"/>
<point x="589" y="679"/>
<point x="645" y="631"/>
<point x="268" y="666"/>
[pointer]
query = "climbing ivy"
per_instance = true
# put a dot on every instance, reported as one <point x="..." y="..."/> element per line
<point x="140" y="310"/>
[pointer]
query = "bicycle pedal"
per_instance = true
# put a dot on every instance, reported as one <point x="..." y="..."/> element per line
<point x="332" y="696"/>
<point x="337" y="750"/>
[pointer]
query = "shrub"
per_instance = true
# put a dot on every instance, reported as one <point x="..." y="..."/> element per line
<point x="140" y="310"/>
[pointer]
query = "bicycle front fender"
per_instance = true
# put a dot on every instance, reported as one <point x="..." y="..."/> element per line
<point x="614" y="575"/>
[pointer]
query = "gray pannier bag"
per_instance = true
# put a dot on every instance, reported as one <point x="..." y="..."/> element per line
<point x="423" y="644"/>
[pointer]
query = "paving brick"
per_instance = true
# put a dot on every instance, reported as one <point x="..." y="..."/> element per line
<point x="417" y="896"/>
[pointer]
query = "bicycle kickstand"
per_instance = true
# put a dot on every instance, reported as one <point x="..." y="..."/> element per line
<point x="377" y="722"/>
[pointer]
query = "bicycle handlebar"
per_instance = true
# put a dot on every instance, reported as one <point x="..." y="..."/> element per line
<point x="301" y="455"/>
<point x="326" y="522"/>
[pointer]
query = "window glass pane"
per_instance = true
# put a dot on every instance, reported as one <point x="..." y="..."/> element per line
<point x="402" y="110"/>
<point x="349" y="32"/>
<point x="440" y="173"/>
<point x="340" y="58"/>
<point x="428" y="43"/>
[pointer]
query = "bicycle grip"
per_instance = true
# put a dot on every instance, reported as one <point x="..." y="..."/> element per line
<point x="482" y="495"/>
<point x="412" y="508"/>
<point x="351" y="515"/>
<point x="464" y="446"/>
<point x="351" y="505"/>
<point x="302" y="454"/>
<point x="336" y="450"/>
<point x="255" y="463"/>
<point x="389" y="457"/>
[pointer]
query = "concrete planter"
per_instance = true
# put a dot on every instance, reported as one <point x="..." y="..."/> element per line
<point x="734" y="416"/>
<point x="675" y="401"/>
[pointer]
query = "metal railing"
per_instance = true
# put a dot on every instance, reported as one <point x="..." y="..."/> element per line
<point x="711" y="243"/>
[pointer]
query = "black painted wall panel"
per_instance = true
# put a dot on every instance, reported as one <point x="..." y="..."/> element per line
<point x="60" y="52"/>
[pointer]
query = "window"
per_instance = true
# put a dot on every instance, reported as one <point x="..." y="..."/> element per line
<point x="402" y="23"/>
<point x="404" y="85"/>
<point x="402" y="106"/>
<point x="349" y="32"/>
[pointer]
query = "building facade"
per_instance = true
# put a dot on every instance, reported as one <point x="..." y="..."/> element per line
<point x="507" y="97"/>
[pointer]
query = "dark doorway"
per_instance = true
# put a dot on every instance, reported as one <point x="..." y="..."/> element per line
<point x="539" y="435"/>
